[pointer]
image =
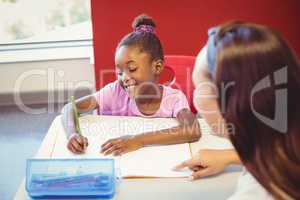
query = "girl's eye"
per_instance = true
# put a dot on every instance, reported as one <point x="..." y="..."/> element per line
<point x="132" y="69"/>
<point x="119" y="73"/>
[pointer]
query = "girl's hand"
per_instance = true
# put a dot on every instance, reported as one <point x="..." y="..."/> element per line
<point x="77" y="143"/>
<point x="121" y="145"/>
<point x="209" y="162"/>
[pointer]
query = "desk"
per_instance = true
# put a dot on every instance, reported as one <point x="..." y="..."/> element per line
<point x="215" y="187"/>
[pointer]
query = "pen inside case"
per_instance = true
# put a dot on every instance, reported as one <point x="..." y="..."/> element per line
<point x="70" y="178"/>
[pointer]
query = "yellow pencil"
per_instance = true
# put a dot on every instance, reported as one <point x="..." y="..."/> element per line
<point x="76" y="115"/>
<point x="190" y="147"/>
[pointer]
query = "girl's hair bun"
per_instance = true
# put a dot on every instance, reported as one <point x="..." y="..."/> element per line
<point x="144" y="37"/>
<point x="143" y="19"/>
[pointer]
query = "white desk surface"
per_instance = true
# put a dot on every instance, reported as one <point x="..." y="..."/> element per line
<point x="212" y="188"/>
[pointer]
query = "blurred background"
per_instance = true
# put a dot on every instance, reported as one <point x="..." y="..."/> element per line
<point x="40" y="21"/>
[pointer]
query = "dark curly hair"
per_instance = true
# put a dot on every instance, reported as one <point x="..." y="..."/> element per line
<point x="146" y="41"/>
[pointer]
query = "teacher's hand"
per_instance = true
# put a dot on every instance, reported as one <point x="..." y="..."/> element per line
<point x="209" y="162"/>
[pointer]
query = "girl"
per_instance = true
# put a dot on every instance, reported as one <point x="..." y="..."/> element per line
<point x="139" y="61"/>
<point x="253" y="56"/>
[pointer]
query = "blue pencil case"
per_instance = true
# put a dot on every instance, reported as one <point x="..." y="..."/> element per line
<point x="60" y="178"/>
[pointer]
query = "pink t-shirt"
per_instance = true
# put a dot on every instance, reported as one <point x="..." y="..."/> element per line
<point x="114" y="100"/>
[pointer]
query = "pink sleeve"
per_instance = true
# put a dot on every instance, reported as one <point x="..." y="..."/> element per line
<point x="181" y="103"/>
<point x="104" y="98"/>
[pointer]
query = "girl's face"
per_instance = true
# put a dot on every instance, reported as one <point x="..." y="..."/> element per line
<point x="135" y="70"/>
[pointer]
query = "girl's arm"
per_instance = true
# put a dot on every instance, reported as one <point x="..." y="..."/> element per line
<point x="187" y="131"/>
<point x="77" y="143"/>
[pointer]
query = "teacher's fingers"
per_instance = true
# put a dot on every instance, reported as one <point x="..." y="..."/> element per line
<point x="202" y="173"/>
<point x="188" y="163"/>
<point x="196" y="168"/>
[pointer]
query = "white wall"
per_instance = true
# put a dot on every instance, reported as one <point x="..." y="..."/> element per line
<point x="45" y="81"/>
<point x="45" y="73"/>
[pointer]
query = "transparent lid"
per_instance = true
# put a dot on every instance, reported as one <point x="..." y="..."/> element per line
<point x="70" y="178"/>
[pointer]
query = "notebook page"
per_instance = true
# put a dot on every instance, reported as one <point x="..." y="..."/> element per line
<point x="94" y="139"/>
<point x="154" y="161"/>
<point x="209" y="140"/>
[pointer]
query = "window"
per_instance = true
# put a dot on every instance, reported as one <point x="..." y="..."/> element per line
<point x="40" y="21"/>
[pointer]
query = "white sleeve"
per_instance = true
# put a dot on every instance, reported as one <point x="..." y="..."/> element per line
<point x="248" y="189"/>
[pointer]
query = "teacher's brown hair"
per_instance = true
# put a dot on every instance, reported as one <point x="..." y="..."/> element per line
<point x="246" y="54"/>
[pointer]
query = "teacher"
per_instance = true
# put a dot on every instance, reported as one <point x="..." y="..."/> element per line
<point x="248" y="78"/>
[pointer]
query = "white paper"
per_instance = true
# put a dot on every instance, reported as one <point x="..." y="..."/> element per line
<point x="154" y="161"/>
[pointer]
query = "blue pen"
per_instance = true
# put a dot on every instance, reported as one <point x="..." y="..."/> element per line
<point x="96" y="180"/>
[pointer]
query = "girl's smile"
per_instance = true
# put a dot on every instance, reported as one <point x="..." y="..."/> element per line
<point x="135" y="70"/>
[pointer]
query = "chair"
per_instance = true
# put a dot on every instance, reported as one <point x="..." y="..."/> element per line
<point x="178" y="74"/>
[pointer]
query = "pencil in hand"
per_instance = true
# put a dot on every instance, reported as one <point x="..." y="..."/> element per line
<point x="76" y="115"/>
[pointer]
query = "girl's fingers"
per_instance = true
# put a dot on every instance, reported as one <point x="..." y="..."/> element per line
<point x="85" y="142"/>
<point x="106" y="143"/>
<point x="118" y="152"/>
<point x="77" y="145"/>
<point x="70" y="147"/>
<point x="112" y="149"/>
<point x="106" y="147"/>
<point x="111" y="143"/>
<point x="79" y="139"/>
<point x="74" y="149"/>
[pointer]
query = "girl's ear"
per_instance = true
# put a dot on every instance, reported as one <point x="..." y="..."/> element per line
<point x="158" y="66"/>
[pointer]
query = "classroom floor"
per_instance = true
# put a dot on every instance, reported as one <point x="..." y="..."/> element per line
<point x="20" y="137"/>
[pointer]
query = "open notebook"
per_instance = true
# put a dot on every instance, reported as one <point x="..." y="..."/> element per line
<point x="152" y="161"/>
